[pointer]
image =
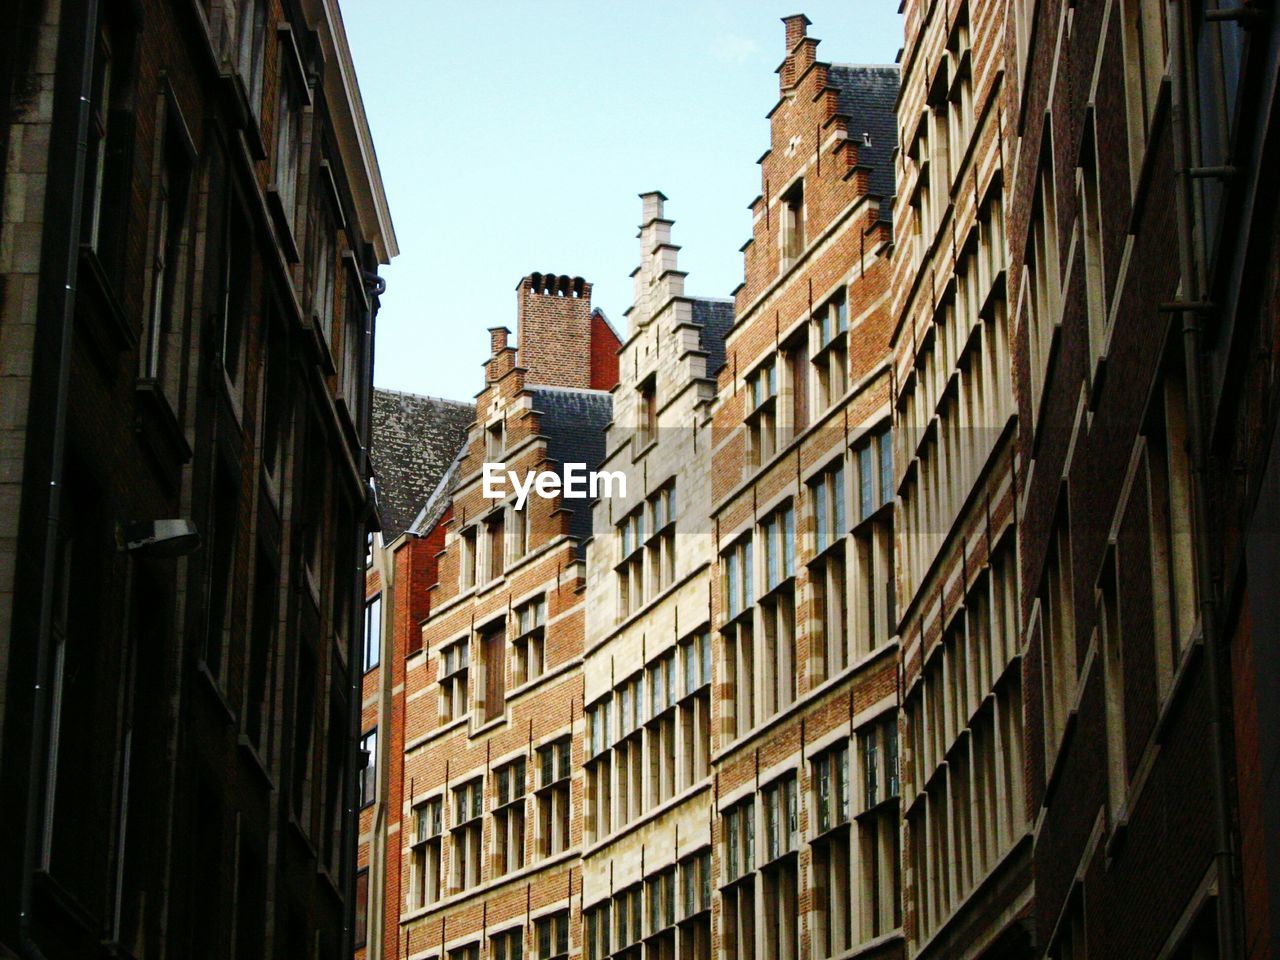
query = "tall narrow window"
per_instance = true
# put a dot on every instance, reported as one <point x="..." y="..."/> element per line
<point x="1043" y="279"/>
<point x="507" y="945"/>
<point x="362" y="906"/>
<point x="737" y="586"/>
<point x="1091" y="235"/>
<point x="630" y="570"/>
<point x="495" y="544"/>
<point x="425" y="852"/>
<point x="598" y="931"/>
<point x="1058" y="650"/>
<point x="827" y="571"/>
<point x="553" y="936"/>
<point x="372" y="632"/>
<point x="251" y="38"/>
<point x="831" y="351"/>
<point x="695" y="709"/>
<point x="99" y="131"/>
<point x="780" y="683"/>
<point x="796" y="352"/>
<point x="553" y="797"/>
<point x="493" y="648"/>
<point x="168" y="244"/>
<point x="599" y="768"/>
<point x="508" y="818"/>
<point x="647" y="401"/>
<point x="792" y="213"/>
<point x="878" y="853"/>
<point x="738" y="891"/>
<point x="369" y="767"/>
<point x="1111" y="648"/>
<point x="629" y="752"/>
<point x="1145" y="54"/>
<point x="660" y="732"/>
<point x="832" y="893"/>
<point x="695" y="906"/>
<point x="780" y="871"/>
<point x="1172" y="558"/>
<point x="468" y="558"/>
<point x="453" y="671"/>
<point x="223" y="537"/>
<point x="530" y="642"/>
<point x="288" y="147"/>
<point x="660" y="892"/>
<point x="762" y="412"/>
<point x="468" y="805"/>
<point x="661" y="544"/>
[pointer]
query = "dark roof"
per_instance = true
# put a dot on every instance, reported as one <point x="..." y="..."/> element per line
<point x="415" y="439"/>
<point x="715" y="317"/>
<point x="867" y="95"/>
<point x="574" y="421"/>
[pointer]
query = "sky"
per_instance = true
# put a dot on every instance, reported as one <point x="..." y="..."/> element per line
<point x="515" y="137"/>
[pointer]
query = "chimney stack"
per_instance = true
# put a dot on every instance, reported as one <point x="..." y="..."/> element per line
<point x="554" y="330"/>
<point x="796" y="60"/>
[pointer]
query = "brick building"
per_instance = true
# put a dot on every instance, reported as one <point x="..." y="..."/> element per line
<point x="1142" y="285"/>
<point x="967" y="826"/>
<point x="805" y="692"/>
<point x="491" y="791"/>
<point x="648" y="812"/>
<point x="193" y="225"/>
<point x="415" y="445"/>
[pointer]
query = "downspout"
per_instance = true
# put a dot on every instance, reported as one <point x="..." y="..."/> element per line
<point x="65" y="314"/>
<point x="374" y="287"/>
<point x="1190" y="307"/>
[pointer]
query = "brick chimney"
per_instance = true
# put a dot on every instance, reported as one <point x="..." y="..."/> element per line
<point x="501" y="355"/>
<point x="554" y="330"/>
<point x="800" y="50"/>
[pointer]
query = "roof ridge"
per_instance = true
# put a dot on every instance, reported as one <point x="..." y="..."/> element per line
<point x="423" y="396"/>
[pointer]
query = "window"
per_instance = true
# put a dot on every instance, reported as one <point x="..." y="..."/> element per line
<point x="1172" y="561"/>
<point x="495" y="440"/>
<point x="1069" y="939"/>
<point x="262" y="642"/>
<point x="739" y="644"/>
<point x="1145" y="53"/>
<point x="372" y="633"/>
<point x="251" y="37"/>
<point x="831" y="350"/>
<point x="508" y="818"/>
<point x="660" y="892"/>
<point x="469" y="952"/>
<point x="795" y="353"/>
<point x="553" y="797"/>
<point x="1091" y="241"/>
<point x="221" y="564"/>
<point x="827" y="572"/>
<point x="599" y="768"/>
<point x="304" y="721"/>
<point x="628" y="754"/>
<point x="507" y="945"/>
<point x="792" y="212"/>
<point x="831" y="851"/>
<point x="1058" y="646"/>
<point x="1111" y="649"/>
<point x="97" y="155"/>
<point x="353" y="343"/>
<point x="628" y="913"/>
<point x="530" y="643"/>
<point x="779" y="680"/>
<point x="362" y="906"/>
<point x="662" y="538"/>
<point x="661" y="729"/>
<point x="647" y="418"/>
<point x="960" y="72"/>
<point x="878" y="844"/>
<point x="369" y="767"/>
<point x="1043" y="281"/>
<point x="695" y="906"/>
<point x="695" y="710"/>
<point x="454" y="663"/>
<point x="289" y="108"/>
<point x="597" y="932"/>
<point x="493" y="666"/>
<point x="630" y="569"/>
<point x="495" y="544"/>
<point x="468" y="805"/>
<point x="762" y="412"/>
<point x="425" y="851"/>
<point x="553" y="936"/>
<point x="170" y="188"/>
<point x="467" y="558"/>
<point x="780" y="871"/>
<point x="874" y="598"/>
<point x="738" y="894"/>
<point x="518" y="535"/>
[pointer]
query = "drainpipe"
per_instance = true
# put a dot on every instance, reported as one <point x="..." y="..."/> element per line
<point x="374" y="287"/>
<point x="64" y="315"/>
<point x="1190" y="309"/>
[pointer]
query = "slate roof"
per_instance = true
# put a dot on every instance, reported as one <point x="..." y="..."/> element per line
<point x="574" y="421"/>
<point x="415" y="439"/>
<point x="867" y="95"/>
<point x="715" y="317"/>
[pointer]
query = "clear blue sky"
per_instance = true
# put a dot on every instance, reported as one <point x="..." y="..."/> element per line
<point x="515" y="136"/>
